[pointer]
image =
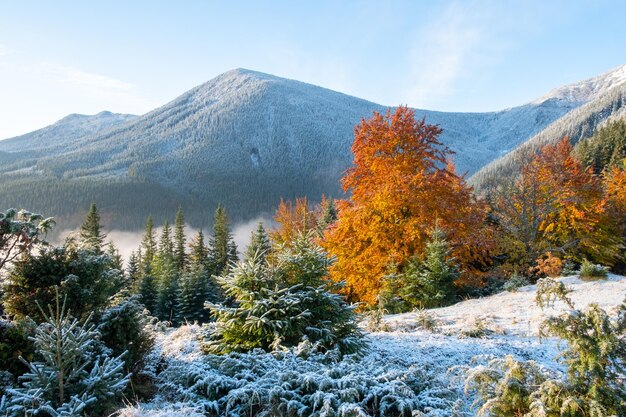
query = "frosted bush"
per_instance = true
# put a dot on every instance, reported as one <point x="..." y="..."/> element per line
<point x="515" y="282"/>
<point x="171" y="410"/>
<point x="589" y="270"/>
<point x="299" y="382"/>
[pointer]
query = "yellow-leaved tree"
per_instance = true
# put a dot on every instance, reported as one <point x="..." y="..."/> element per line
<point x="555" y="206"/>
<point x="402" y="184"/>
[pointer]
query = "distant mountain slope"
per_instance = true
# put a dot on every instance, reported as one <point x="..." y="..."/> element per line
<point x="244" y="139"/>
<point x="64" y="131"/>
<point x="577" y="124"/>
<point x="588" y="90"/>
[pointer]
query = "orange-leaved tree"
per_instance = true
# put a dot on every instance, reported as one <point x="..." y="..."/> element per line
<point x="615" y="185"/>
<point x="556" y="205"/>
<point x="615" y="189"/>
<point x="402" y="184"/>
<point x="293" y="219"/>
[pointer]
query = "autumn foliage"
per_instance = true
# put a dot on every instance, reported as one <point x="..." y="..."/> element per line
<point x="549" y="265"/>
<point x="293" y="219"/>
<point x="402" y="184"/>
<point x="615" y="183"/>
<point x="556" y="205"/>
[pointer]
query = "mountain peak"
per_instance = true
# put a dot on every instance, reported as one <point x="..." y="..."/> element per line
<point x="589" y="89"/>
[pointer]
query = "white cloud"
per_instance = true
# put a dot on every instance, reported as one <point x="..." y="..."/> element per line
<point x="37" y="93"/>
<point x="442" y="54"/>
<point x="98" y="86"/>
<point x="459" y="48"/>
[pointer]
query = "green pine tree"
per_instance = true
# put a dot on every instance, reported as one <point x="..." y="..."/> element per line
<point x="166" y="246"/>
<point x="259" y="244"/>
<point x="328" y="216"/>
<point x="91" y="236"/>
<point x="148" y="244"/>
<point x="199" y="253"/>
<point x="133" y="272"/>
<point x="115" y="258"/>
<point x="180" y="258"/>
<point x="149" y="290"/>
<point x="222" y="248"/>
<point x="429" y="282"/>
<point x="168" y="289"/>
<point x="86" y="280"/>
<point x="196" y="289"/>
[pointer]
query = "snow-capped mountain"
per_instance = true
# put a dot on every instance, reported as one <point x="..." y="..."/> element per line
<point x="577" y="124"/>
<point x="64" y="131"/>
<point x="587" y="90"/>
<point x="244" y="139"/>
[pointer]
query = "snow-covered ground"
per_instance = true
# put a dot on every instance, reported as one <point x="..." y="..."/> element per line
<point x="407" y="364"/>
<point x="516" y="313"/>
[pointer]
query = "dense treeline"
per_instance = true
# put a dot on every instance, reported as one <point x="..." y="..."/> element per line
<point x="605" y="149"/>
<point x="124" y="203"/>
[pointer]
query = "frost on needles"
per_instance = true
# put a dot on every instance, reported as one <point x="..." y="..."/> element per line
<point x="282" y="302"/>
<point x="75" y="375"/>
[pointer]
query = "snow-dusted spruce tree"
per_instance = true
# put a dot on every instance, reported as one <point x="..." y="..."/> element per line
<point x="126" y="329"/>
<point x="196" y="288"/>
<point x="594" y="356"/>
<point x="260" y="244"/>
<point x="429" y="282"/>
<point x="283" y="302"/>
<point x="75" y="377"/>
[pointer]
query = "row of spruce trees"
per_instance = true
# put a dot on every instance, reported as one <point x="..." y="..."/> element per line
<point x="175" y="279"/>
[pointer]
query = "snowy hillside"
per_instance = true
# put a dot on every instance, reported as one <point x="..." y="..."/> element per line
<point x="407" y="365"/>
<point x="515" y="313"/>
<point x="64" y="132"/>
<point x="578" y="124"/>
<point x="258" y="117"/>
<point x="587" y="90"/>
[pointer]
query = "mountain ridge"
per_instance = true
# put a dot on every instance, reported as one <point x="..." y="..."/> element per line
<point x="577" y="124"/>
<point x="589" y="89"/>
<point x="244" y="139"/>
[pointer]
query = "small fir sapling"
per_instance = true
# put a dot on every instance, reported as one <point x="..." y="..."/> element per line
<point x="75" y="375"/>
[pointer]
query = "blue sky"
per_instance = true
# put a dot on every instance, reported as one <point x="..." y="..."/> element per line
<point x="63" y="57"/>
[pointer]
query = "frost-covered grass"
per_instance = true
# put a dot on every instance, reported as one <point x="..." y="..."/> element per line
<point x="515" y="313"/>
<point x="401" y="372"/>
<point x="404" y="369"/>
